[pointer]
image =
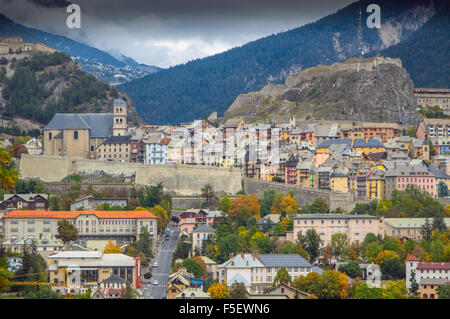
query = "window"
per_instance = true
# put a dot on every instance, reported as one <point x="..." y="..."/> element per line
<point x="50" y="136"/>
<point x="75" y="135"/>
<point x="92" y="148"/>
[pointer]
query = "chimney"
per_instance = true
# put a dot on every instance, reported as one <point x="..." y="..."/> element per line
<point x="242" y="255"/>
<point x="231" y="255"/>
<point x="395" y="165"/>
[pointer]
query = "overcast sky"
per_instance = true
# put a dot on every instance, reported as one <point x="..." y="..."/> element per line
<point x="169" y="32"/>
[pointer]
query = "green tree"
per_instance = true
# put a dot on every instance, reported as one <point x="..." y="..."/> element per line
<point x="129" y="292"/>
<point x="414" y="285"/>
<point x="282" y="276"/>
<point x="310" y="242"/>
<point x="372" y="251"/>
<point x="208" y="194"/>
<point x="224" y="204"/>
<point x="443" y="291"/>
<point x="43" y="293"/>
<point x="67" y="231"/>
<point x="193" y="267"/>
<point x="351" y="269"/>
<point x="365" y="292"/>
<point x="238" y="291"/>
<point x="339" y="243"/>
<point x="266" y="201"/>
<point x="395" y="290"/>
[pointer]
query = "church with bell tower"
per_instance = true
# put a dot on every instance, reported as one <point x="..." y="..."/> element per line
<point x="120" y="127"/>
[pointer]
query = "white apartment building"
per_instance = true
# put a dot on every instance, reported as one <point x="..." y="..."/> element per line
<point x="257" y="272"/>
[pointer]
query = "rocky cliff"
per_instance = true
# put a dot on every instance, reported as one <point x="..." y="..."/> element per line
<point x="381" y="90"/>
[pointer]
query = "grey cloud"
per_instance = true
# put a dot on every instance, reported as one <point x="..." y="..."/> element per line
<point x="169" y="32"/>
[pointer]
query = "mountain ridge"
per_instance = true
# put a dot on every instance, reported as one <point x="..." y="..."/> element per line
<point x="195" y="89"/>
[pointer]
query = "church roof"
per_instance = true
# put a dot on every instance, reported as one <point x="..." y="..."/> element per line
<point x="99" y="124"/>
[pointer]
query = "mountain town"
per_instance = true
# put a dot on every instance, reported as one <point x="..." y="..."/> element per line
<point x="332" y="184"/>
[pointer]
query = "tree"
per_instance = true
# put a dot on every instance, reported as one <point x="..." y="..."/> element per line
<point x="291" y="248"/>
<point x="439" y="223"/>
<point x="193" y="267"/>
<point x="218" y="291"/>
<point x="224" y="204"/>
<point x="144" y="243"/>
<point x="365" y="292"/>
<point x="262" y="243"/>
<point x="393" y="268"/>
<point x="339" y="243"/>
<point x="384" y="256"/>
<point x="395" y="290"/>
<point x="129" y="292"/>
<point x="67" y="232"/>
<point x="238" y="291"/>
<point x="436" y="250"/>
<point x="351" y="269"/>
<point x="309" y="283"/>
<point x="310" y="242"/>
<point x="333" y="285"/>
<point x="8" y="174"/>
<point x="284" y="205"/>
<point x="244" y="207"/>
<point x="203" y="268"/>
<point x="162" y="216"/>
<point x="282" y="276"/>
<point x="318" y="206"/>
<point x="208" y="194"/>
<point x="372" y="251"/>
<point x="112" y="248"/>
<point x="43" y="293"/>
<point x="4" y="278"/>
<point x="414" y="285"/>
<point x="266" y="201"/>
<point x="443" y="291"/>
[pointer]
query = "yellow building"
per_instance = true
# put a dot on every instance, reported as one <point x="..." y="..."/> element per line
<point x="375" y="184"/>
<point x="305" y="174"/>
<point x="80" y="135"/>
<point x="339" y="182"/>
<point x="368" y="145"/>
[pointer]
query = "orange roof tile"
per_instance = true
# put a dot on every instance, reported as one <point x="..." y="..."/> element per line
<point x="73" y="214"/>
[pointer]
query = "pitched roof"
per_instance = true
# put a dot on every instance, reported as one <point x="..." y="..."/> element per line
<point x="327" y="216"/>
<point x="370" y="142"/>
<point x="328" y="143"/>
<point x="283" y="260"/>
<point x="122" y="139"/>
<point x="204" y="229"/>
<point x="433" y="265"/>
<point x="99" y="124"/>
<point x="26" y="197"/>
<point x="114" y="279"/>
<point x="238" y="278"/>
<point x="18" y="214"/>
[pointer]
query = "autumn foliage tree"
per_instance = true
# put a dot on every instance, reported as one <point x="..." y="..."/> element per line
<point x="284" y="205"/>
<point x="162" y="216"/>
<point x="112" y="248"/>
<point x="218" y="291"/>
<point x="8" y="175"/>
<point x="244" y="207"/>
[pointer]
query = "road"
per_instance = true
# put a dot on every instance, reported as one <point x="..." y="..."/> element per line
<point x="164" y="260"/>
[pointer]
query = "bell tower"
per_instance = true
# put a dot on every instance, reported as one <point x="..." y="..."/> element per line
<point x="120" y="127"/>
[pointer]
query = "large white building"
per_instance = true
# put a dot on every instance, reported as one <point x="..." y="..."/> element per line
<point x="356" y="227"/>
<point x="426" y="270"/>
<point x="257" y="272"/>
<point x="118" y="225"/>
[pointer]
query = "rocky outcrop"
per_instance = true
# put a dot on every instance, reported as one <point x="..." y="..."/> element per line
<point x="381" y="91"/>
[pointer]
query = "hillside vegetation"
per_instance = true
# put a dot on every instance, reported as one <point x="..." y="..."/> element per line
<point x="36" y="86"/>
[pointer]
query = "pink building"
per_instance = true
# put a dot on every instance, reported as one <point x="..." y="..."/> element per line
<point x="356" y="227"/>
<point x="193" y="218"/>
<point x="401" y="176"/>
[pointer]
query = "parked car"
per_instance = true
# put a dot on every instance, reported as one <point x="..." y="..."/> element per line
<point x="155" y="265"/>
<point x="155" y="282"/>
